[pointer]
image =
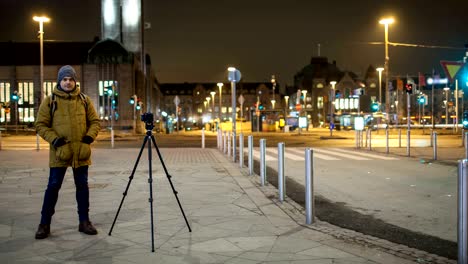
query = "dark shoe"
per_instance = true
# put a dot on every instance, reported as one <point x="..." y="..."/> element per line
<point x="43" y="231"/>
<point x="87" y="228"/>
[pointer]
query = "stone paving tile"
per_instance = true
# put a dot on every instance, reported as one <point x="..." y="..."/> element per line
<point x="232" y="219"/>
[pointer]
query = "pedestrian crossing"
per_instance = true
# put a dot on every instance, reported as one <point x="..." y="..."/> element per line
<point x="329" y="154"/>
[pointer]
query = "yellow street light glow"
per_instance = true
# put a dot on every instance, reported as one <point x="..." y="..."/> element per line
<point x="41" y="19"/>
<point x="387" y="21"/>
<point x="231" y="69"/>
<point x="380" y="69"/>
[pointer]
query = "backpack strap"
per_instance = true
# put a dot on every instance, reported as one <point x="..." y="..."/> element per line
<point x="53" y="103"/>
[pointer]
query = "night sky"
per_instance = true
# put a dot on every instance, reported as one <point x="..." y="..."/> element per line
<point x="195" y="41"/>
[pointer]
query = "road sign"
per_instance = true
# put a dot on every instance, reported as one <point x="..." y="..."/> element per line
<point x="176" y="100"/>
<point x="451" y="68"/>
<point x="241" y="99"/>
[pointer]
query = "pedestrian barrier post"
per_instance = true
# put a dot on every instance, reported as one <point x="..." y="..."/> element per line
<point x="229" y="144"/>
<point x="309" y="186"/>
<point x="408" y="142"/>
<point x="224" y="143"/>
<point x="432" y="135"/>
<point x="250" y="145"/>
<point x="262" y="161"/>
<point x="462" y="237"/>
<point x="387" y="149"/>
<point x="281" y="180"/>
<point x="241" y="150"/>
<point x="203" y="138"/>
<point x="370" y="139"/>
<point x="435" y="146"/>
<point x="399" y="137"/>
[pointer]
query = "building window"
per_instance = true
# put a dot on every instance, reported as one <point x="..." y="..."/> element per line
<point x="26" y="93"/>
<point x="319" y="85"/>
<point x="48" y="88"/>
<point x="26" y="114"/>
<point x="108" y="101"/>
<point x="320" y="102"/>
<point x="4" y="101"/>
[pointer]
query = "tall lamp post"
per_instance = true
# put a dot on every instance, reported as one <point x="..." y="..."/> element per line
<point x="41" y="20"/>
<point x="220" y="86"/>
<point x="386" y="22"/>
<point x="212" y="98"/>
<point x="446" y="89"/>
<point x="234" y="76"/>
<point x="380" y="69"/>
<point x="332" y="99"/>
<point x="273" y="100"/>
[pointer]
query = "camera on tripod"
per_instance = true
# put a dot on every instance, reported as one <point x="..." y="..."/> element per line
<point x="148" y="118"/>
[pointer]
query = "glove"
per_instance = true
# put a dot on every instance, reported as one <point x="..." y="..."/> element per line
<point x="58" y="142"/>
<point x="87" y="139"/>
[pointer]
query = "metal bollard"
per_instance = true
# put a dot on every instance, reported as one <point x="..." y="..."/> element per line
<point x="356" y="138"/>
<point x="218" y="140"/>
<point x="432" y="136"/>
<point x="309" y="186"/>
<point x="234" y="146"/>
<point x="281" y="180"/>
<point x="399" y="137"/>
<point x="0" y="140"/>
<point x="370" y="139"/>
<point x="462" y="237"/>
<point x="224" y="143"/>
<point x="241" y="150"/>
<point x="262" y="161"/>
<point x="466" y="145"/>
<point x="367" y="136"/>
<point x="229" y="144"/>
<point x="386" y="140"/>
<point x="112" y="137"/>
<point x="435" y="146"/>
<point x="408" y="142"/>
<point x="37" y="142"/>
<point x="463" y="137"/>
<point x="203" y="138"/>
<point x="250" y="145"/>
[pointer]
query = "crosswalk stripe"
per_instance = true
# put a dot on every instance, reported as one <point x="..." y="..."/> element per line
<point x="287" y="155"/>
<point x="365" y="154"/>
<point x="316" y="155"/>
<point x="354" y="157"/>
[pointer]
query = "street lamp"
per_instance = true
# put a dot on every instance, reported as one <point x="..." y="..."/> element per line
<point x="212" y="97"/>
<point x="41" y="20"/>
<point x="208" y="99"/>
<point x="234" y="76"/>
<point x="304" y="92"/>
<point x="380" y="69"/>
<point x="332" y="99"/>
<point x="220" y="85"/>
<point x="286" y="98"/>
<point x="273" y="82"/>
<point x="386" y="22"/>
<point x="446" y="89"/>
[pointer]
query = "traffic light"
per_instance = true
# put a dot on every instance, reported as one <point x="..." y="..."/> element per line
<point x="131" y="101"/>
<point x="138" y="104"/>
<point x="465" y="119"/>
<point x="15" y="96"/>
<point x="409" y="88"/>
<point x="374" y="107"/>
<point x="421" y="99"/>
<point x="261" y="107"/>
<point x="337" y="94"/>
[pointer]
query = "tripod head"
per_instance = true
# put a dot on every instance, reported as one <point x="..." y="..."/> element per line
<point x="148" y="118"/>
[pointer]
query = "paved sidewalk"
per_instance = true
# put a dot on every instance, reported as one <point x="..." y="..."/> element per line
<point x="233" y="219"/>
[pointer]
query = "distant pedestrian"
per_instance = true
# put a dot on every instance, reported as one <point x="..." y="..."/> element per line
<point x="68" y="121"/>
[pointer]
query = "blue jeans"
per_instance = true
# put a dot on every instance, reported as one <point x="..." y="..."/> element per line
<point x="53" y="187"/>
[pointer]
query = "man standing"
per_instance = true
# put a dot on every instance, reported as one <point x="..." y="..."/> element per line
<point x="68" y="121"/>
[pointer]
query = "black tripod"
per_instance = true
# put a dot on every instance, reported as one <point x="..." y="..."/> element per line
<point x="148" y="119"/>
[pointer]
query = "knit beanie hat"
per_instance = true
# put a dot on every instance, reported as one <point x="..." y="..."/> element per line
<point x="66" y="71"/>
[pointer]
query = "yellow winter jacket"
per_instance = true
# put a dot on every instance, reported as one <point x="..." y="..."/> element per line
<point x="70" y="121"/>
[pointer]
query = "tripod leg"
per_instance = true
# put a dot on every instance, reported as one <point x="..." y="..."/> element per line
<point x="150" y="181"/>
<point x="170" y="181"/>
<point x="129" y="182"/>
